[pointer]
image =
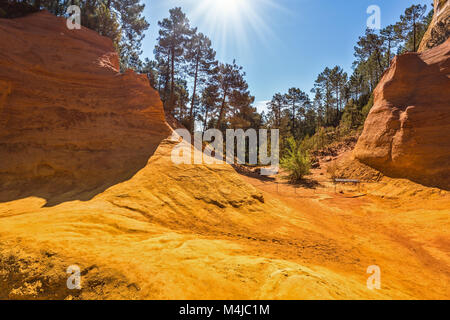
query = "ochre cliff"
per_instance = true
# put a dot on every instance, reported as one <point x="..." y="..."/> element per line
<point x="70" y="124"/>
<point x="407" y="132"/>
<point x="439" y="29"/>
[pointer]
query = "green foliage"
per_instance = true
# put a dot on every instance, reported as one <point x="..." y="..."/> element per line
<point x="412" y="26"/>
<point x="106" y="23"/>
<point x="322" y="138"/>
<point x="201" y="63"/>
<point x="16" y="9"/>
<point x="366" y="109"/>
<point x="331" y="91"/>
<point x="292" y="113"/>
<point x="219" y="96"/>
<point x="174" y="34"/>
<point x="352" y="117"/>
<point x="296" y="161"/>
<point x="233" y="91"/>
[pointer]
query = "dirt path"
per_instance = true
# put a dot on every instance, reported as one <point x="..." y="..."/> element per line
<point x="408" y="238"/>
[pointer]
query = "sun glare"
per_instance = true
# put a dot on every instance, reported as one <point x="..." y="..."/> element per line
<point x="226" y="6"/>
<point x="233" y="22"/>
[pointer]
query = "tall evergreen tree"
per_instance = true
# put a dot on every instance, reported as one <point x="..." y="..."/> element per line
<point x="174" y="33"/>
<point x="230" y="82"/>
<point x="338" y="79"/>
<point x="210" y="100"/>
<point x="370" y="46"/>
<point x="323" y="90"/>
<point x="132" y="25"/>
<point x="391" y="40"/>
<point x="411" y="26"/>
<point x="201" y="62"/>
<point x="296" y="100"/>
<point x="276" y="107"/>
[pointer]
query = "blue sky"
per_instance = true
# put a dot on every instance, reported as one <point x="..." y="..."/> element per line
<point x="280" y="43"/>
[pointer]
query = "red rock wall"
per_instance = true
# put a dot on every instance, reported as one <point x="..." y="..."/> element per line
<point x="407" y="132"/>
<point x="70" y="123"/>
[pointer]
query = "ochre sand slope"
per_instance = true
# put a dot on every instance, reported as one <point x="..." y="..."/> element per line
<point x="203" y="232"/>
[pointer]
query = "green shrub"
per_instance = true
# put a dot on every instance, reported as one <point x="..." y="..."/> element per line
<point x="296" y="161"/>
<point x="319" y="140"/>
<point x="366" y="109"/>
<point x="352" y="118"/>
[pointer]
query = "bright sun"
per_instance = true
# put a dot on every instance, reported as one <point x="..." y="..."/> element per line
<point x="230" y="22"/>
<point x="227" y="6"/>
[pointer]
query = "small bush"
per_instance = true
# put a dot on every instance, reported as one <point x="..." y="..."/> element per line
<point x="332" y="170"/>
<point x="352" y="118"/>
<point x="366" y="109"/>
<point x="296" y="161"/>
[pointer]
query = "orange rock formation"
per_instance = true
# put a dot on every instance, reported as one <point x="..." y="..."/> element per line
<point x="407" y="131"/>
<point x="439" y="29"/>
<point x="70" y="124"/>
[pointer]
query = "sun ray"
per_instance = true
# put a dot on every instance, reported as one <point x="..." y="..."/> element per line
<point x="234" y="22"/>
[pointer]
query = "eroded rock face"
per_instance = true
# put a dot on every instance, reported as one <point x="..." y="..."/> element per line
<point x="70" y="123"/>
<point x="407" y="132"/>
<point x="439" y="29"/>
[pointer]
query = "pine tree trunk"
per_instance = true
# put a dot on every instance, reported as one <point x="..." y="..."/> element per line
<point x="379" y="61"/>
<point x="205" y="120"/>
<point x="166" y="84"/>
<point x="222" y="108"/>
<point x="172" y="83"/>
<point x="37" y="4"/>
<point x="389" y="54"/>
<point x="293" y="119"/>
<point x="278" y="116"/>
<point x="337" y="106"/>
<point x="193" y="96"/>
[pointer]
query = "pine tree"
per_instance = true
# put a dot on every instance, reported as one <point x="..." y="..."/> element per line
<point x="391" y="39"/>
<point x="230" y="81"/>
<point x="276" y="107"/>
<point x="296" y="100"/>
<point x="174" y="33"/>
<point x="201" y="62"/>
<point x="370" y="46"/>
<point x="323" y="90"/>
<point x="411" y="24"/>
<point x="133" y="25"/>
<point x="209" y="103"/>
<point x="338" y="80"/>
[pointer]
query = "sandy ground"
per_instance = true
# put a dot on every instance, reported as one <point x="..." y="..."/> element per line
<point x="406" y="234"/>
<point x="205" y="232"/>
